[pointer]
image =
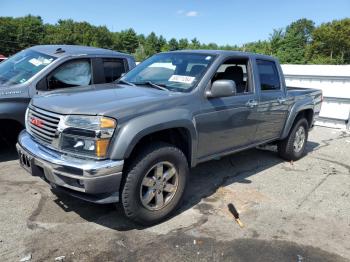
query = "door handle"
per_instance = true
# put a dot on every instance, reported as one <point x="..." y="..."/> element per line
<point x="252" y="103"/>
<point x="281" y="100"/>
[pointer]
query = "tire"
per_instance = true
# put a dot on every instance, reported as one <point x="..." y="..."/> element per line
<point x="289" y="148"/>
<point x="144" y="170"/>
<point x="8" y="137"/>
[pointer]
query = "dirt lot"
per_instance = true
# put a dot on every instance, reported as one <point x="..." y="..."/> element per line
<point x="291" y="211"/>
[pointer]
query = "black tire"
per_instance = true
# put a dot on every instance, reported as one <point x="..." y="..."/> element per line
<point x="286" y="148"/>
<point x="9" y="136"/>
<point x="137" y="170"/>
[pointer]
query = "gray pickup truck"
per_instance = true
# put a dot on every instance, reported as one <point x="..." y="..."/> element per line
<point x="47" y="68"/>
<point x="134" y="141"/>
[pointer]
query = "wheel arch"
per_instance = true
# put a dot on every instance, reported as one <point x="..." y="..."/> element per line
<point x="298" y="111"/>
<point x="10" y="128"/>
<point x="180" y="133"/>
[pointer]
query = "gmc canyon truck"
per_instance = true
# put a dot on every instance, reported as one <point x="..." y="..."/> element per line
<point x="134" y="141"/>
<point x="47" y="68"/>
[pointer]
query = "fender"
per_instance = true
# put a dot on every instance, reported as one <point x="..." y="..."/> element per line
<point x="134" y="130"/>
<point x="300" y="105"/>
<point x="14" y="109"/>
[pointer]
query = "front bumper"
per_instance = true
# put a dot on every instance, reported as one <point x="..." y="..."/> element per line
<point x="96" y="181"/>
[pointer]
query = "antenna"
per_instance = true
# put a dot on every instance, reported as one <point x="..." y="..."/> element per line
<point x="59" y="50"/>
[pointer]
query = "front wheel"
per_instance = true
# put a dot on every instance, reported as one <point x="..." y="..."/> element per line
<point x="294" y="145"/>
<point x="155" y="183"/>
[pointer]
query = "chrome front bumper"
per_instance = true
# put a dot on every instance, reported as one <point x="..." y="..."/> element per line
<point x="88" y="179"/>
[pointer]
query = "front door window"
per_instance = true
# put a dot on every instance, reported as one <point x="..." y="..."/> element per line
<point x="71" y="74"/>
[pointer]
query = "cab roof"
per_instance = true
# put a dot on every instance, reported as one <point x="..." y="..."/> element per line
<point x="69" y="50"/>
<point x="224" y="53"/>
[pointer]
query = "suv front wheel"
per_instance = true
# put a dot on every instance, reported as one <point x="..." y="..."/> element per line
<point x="155" y="183"/>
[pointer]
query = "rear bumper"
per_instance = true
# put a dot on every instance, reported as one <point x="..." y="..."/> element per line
<point x="91" y="180"/>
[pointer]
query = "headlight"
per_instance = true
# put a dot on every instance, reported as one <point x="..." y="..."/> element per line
<point x="86" y="135"/>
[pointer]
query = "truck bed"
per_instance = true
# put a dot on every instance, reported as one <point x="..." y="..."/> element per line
<point x="298" y="91"/>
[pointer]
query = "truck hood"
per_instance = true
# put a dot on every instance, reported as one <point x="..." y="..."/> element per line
<point x="113" y="100"/>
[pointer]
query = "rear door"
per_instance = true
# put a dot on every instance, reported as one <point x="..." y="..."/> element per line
<point x="107" y="70"/>
<point x="272" y="108"/>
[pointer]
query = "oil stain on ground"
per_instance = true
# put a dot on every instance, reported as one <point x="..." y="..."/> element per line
<point x="185" y="248"/>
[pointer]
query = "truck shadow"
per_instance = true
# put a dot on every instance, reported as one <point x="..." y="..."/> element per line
<point x="204" y="181"/>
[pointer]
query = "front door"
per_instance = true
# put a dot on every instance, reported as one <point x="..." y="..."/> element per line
<point x="227" y="123"/>
<point x="76" y="72"/>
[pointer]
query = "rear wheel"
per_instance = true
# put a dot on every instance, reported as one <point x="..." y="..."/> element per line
<point x="154" y="184"/>
<point x="293" y="146"/>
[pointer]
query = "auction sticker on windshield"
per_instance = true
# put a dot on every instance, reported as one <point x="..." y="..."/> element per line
<point x="40" y="61"/>
<point x="35" y="62"/>
<point x="182" y="79"/>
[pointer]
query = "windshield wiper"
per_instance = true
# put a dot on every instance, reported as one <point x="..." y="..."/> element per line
<point x="125" y="82"/>
<point x="151" y="84"/>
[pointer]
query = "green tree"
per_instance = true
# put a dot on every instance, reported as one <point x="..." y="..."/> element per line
<point x="230" y="48"/>
<point x="128" y="40"/>
<point x="161" y="44"/>
<point x="141" y="39"/>
<point x="8" y="32"/>
<point x="183" y="43"/>
<point x="19" y="33"/>
<point x="276" y="40"/>
<point x="30" y="31"/>
<point x="260" y="47"/>
<point x="300" y="42"/>
<point x="211" y="46"/>
<point x="331" y="43"/>
<point x="292" y="48"/>
<point x="151" y="44"/>
<point x="140" y="53"/>
<point x="195" y="44"/>
<point x="173" y="44"/>
<point x="63" y="32"/>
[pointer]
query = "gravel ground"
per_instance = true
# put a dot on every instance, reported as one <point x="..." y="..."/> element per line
<point x="291" y="212"/>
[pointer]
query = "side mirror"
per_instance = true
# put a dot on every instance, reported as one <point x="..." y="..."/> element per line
<point x="42" y="85"/>
<point x="222" y="88"/>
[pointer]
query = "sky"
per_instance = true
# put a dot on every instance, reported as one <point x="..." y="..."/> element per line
<point x="221" y="21"/>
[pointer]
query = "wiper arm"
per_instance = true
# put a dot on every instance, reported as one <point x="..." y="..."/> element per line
<point x="125" y="82"/>
<point x="151" y="84"/>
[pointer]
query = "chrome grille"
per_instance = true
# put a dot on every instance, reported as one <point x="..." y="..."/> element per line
<point x="42" y="124"/>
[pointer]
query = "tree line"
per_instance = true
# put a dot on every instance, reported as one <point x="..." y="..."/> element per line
<point x="301" y="42"/>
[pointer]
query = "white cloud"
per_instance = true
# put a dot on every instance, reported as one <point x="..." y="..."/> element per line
<point x="187" y="13"/>
<point x="192" y="13"/>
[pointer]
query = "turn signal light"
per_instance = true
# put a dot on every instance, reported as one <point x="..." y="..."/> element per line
<point x="108" y="123"/>
<point x="101" y="147"/>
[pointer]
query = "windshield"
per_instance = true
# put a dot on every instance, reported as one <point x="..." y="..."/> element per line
<point x="178" y="72"/>
<point x="22" y="66"/>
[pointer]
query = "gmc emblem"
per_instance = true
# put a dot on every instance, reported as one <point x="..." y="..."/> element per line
<point x="37" y="122"/>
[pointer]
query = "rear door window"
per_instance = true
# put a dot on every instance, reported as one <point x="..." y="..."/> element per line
<point x="268" y="74"/>
<point x="113" y="69"/>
